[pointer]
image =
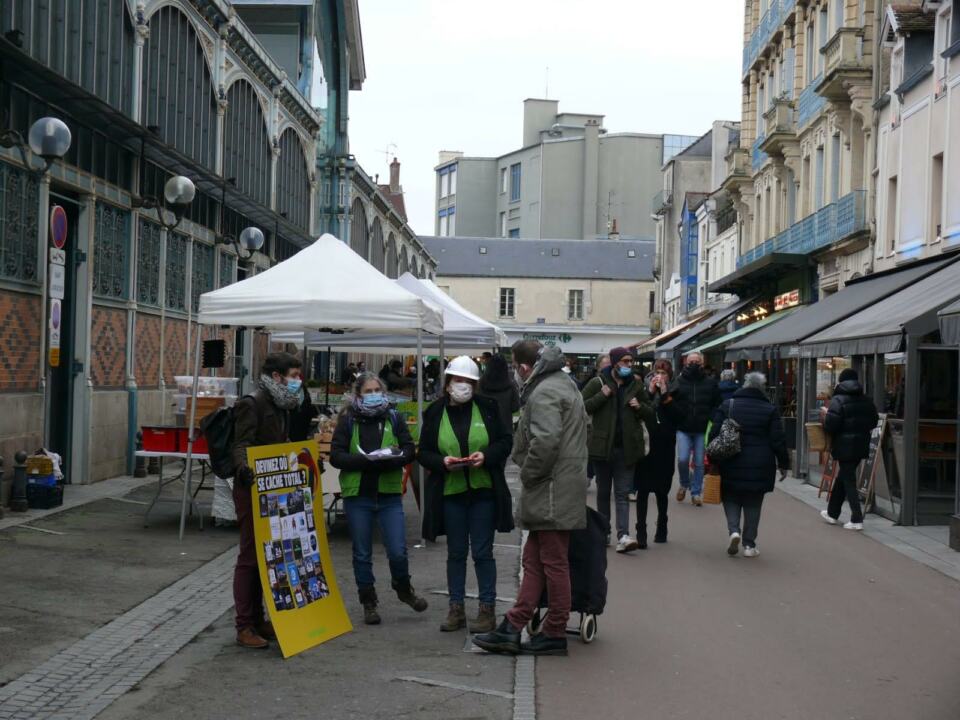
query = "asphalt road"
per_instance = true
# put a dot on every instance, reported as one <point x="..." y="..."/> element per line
<point x="825" y="625"/>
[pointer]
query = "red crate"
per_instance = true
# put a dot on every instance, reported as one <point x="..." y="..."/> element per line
<point x="199" y="441"/>
<point x="160" y="439"/>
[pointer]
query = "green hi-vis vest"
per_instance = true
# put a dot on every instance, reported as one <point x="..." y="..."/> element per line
<point x="391" y="481"/>
<point x="477" y="441"/>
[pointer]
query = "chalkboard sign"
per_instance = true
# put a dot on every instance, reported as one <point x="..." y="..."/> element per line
<point x="868" y="469"/>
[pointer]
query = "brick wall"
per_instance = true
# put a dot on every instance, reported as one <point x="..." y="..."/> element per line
<point x="108" y="345"/>
<point x="174" y="350"/>
<point x="147" y="350"/>
<point x="19" y="341"/>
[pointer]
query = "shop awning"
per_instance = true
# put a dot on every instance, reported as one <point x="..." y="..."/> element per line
<point x="720" y="316"/>
<point x="881" y="326"/>
<point x="746" y="330"/>
<point x="650" y="344"/>
<point x="813" y="318"/>
<point x="950" y="324"/>
<point x="769" y="267"/>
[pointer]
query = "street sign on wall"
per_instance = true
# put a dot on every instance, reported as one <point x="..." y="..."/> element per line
<point x="53" y="332"/>
<point x="58" y="281"/>
<point x="58" y="227"/>
<point x="58" y="256"/>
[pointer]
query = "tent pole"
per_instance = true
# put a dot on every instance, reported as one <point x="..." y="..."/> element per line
<point x="443" y="337"/>
<point x="420" y="416"/>
<point x="188" y="470"/>
<point x="327" y="401"/>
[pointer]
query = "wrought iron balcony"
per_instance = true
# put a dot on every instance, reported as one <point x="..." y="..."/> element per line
<point x="770" y="25"/>
<point x="809" y="104"/>
<point x="780" y="126"/>
<point x="840" y="220"/>
<point x="843" y="64"/>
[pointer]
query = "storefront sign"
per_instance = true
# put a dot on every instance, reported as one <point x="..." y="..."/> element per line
<point x="58" y="281"/>
<point x="296" y="571"/>
<point x="786" y="300"/>
<point x="58" y="227"/>
<point x="58" y="256"/>
<point x="548" y="339"/>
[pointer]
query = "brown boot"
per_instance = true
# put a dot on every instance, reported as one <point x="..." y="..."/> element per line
<point x="486" y="620"/>
<point x="368" y="598"/>
<point x="456" y="618"/>
<point x="408" y="595"/>
<point x="248" y="638"/>
<point x="265" y="630"/>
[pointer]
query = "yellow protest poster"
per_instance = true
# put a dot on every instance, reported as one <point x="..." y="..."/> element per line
<point x="296" y="572"/>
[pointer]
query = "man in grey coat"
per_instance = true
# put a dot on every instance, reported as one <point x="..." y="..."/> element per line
<point x="550" y="446"/>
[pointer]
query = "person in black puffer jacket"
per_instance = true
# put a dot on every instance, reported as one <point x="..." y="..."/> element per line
<point x="849" y="422"/>
<point x="697" y="396"/>
<point x="747" y="476"/>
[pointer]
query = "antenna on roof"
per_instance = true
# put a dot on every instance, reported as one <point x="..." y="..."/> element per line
<point x="390" y="149"/>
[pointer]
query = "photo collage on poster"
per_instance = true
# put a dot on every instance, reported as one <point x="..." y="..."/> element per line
<point x="293" y="556"/>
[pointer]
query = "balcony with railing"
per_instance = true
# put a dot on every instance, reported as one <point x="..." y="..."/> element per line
<point x="780" y="126"/>
<point x="843" y="64"/>
<point x="770" y="24"/>
<point x="738" y="168"/>
<point x="809" y="104"/>
<point x="757" y="156"/>
<point x="840" y="220"/>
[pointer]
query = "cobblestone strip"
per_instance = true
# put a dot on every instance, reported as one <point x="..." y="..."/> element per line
<point x="81" y="681"/>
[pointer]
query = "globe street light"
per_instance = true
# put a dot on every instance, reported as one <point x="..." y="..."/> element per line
<point x="49" y="138"/>
<point x="251" y="239"/>
<point x="178" y="193"/>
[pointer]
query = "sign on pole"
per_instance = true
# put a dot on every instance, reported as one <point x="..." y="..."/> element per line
<point x="296" y="570"/>
<point x="58" y="227"/>
<point x="58" y="281"/>
<point x="58" y="256"/>
<point x="53" y="334"/>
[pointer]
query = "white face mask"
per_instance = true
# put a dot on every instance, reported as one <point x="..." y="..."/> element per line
<point x="461" y="392"/>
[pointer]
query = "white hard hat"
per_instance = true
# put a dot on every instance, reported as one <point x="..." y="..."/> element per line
<point x="463" y="366"/>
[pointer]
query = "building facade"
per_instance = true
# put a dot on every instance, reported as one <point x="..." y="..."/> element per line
<point x="149" y="90"/>
<point x="570" y="179"/>
<point x="586" y="296"/>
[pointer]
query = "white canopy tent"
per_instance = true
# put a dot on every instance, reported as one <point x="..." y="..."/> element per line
<point x="325" y="286"/>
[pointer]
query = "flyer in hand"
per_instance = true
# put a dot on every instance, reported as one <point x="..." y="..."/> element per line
<point x="296" y="571"/>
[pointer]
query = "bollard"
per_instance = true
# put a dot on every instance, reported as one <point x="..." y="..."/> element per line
<point x="18" y="492"/>
<point x="140" y="467"/>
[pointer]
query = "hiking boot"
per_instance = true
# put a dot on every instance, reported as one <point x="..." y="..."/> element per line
<point x="681" y="494"/>
<point x="265" y="630"/>
<point x="368" y="598"/>
<point x="408" y="595"/>
<point x="661" y="535"/>
<point x="485" y="621"/>
<point x="505" y="640"/>
<point x="542" y="645"/>
<point x="248" y="638"/>
<point x="456" y="619"/>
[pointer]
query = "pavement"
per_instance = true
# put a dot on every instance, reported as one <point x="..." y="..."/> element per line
<point x="825" y="624"/>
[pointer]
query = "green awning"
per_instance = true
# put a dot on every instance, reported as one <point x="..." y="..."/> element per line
<point x="746" y="330"/>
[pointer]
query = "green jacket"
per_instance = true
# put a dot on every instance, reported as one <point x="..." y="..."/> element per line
<point x="550" y="446"/>
<point x="603" y="412"/>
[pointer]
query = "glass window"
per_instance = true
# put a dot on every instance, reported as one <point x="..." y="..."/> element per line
<point x="808" y="70"/>
<point x="451" y="221"/>
<point x="838" y="14"/>
<point x="822" y="22"/>
<point x="452" y="182"/>
<point x="503" y="180"/>
<point x="575" y="305"/>
<point x="943" y="42"/>
<point x="443" y="224"/>
<point x="507" y="299"/>
<point x="514" y="233"/>
<point x="503" y="224"/>
<point x="515" y="182"/>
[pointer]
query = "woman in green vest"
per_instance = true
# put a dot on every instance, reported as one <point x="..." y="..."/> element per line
<point x="372" y="488"/>
<point x="464" y="446"/>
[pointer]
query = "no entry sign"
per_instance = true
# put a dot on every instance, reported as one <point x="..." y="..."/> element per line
<point x="58" y="227"/>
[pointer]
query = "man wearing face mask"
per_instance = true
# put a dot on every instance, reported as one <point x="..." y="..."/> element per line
<point x="619" y="406"/>
<point x="464" y="445"/>
<point x="261" y="418"/>
<point x="697" y="396"/>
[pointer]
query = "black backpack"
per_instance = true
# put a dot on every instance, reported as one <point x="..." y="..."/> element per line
<point x="217" y="428"/>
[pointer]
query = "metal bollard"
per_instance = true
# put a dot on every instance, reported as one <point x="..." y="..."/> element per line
<point x="140" y="467"/>
<point x="18" y="493"/>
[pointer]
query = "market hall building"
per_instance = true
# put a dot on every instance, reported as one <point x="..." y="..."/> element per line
<point x="151" y="91"/>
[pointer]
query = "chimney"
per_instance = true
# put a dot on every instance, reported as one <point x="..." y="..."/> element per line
<point x="395" y="176"/>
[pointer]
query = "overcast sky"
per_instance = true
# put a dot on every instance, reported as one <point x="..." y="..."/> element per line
<point x="453" y="74"/>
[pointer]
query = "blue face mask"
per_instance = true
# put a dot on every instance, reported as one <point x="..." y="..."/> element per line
<point x="374" y="400"/>
<point x="624" y="372"/>
<point x="293" y="385"/>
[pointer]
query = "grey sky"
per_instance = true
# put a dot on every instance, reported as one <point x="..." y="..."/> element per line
<point x="453" y="74"/>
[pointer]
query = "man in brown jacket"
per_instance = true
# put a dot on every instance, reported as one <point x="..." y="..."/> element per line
<point x="261" y="418"/>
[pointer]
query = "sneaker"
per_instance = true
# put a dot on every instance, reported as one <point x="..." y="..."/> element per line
<point x="827" y="519"/>
<point x="734" y="547"/>
<point x="540" y="644"/>
<point x="626" y="544"/>
<point x="632" y="497"/>
<point x="853" y="526"/>
<point x="751" y="551"/>
<point x="504" y="640"/>
<point x="681" y="494"/>
<point x="696" y="500"/>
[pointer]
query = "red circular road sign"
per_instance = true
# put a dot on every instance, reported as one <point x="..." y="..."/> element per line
<point x="58" y="226"/>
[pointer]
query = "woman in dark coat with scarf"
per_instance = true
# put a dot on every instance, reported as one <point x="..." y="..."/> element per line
<point x="654" y="473"/>
<point x="464" y="446"/>
<point x="747" y="476"/>
<point x="496" y="383"/>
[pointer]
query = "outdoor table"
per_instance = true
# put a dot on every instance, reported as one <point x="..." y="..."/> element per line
<point x="194" y="506"/>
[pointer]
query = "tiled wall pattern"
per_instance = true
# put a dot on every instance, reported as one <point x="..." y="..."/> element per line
<point x="147" y="350"/>
<point x="174" y="350"/>
<point x="108" y="345"/>
<point x="19" y="341"/>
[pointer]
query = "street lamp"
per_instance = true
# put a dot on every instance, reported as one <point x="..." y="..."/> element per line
<point x="251" y="239"/>
<point x="49" y="138"/>
<point x="178" y="193"/>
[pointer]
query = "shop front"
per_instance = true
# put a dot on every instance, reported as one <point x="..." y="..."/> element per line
<point x="950" y="336"/>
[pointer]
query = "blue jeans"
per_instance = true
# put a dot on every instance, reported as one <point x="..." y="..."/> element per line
<point x="690" y="443"/>
<point x="474" y="522"/>
<point x="388" y="511"/>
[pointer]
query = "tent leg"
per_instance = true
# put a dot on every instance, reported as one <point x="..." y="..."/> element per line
<point x="442" y="354"/>
<point x="327" y="401"/>
<point x="420" y="416"/>
<point x="188" y="470"/>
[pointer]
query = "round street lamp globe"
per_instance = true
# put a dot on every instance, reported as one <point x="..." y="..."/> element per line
<point x="179" y="190"/>
<point x="49" y="138"/>
<point x="251" y="239"/>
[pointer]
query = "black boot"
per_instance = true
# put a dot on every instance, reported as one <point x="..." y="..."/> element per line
<point x="505" y="640"/>
<point x="540" y="644"/>
<point x="408" y="595"/>
<point x="368" y="598"/>
<point x="661" y="536"/>
<point x="642" y="536"/>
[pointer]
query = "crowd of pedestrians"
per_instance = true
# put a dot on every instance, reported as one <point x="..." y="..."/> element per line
<point x="632" y="431"/>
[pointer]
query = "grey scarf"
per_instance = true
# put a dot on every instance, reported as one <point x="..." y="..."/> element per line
<point x="282" y="397"/>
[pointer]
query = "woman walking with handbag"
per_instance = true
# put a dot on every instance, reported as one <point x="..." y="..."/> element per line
<point x="746" y="476"/>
